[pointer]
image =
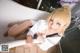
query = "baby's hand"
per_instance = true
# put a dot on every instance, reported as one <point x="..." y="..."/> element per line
<point x="29" y="38"/>
<point x="29" y="41"/>
<point x="40" y="37"/>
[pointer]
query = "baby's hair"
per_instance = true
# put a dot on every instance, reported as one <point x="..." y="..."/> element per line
<point x="63" y="13"/>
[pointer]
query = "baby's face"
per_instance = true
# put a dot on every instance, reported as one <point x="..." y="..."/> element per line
<point x="57" y="25"/>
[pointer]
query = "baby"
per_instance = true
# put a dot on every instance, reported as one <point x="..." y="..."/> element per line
<point x="46" y="32"/>
<point x="51" y="30"/>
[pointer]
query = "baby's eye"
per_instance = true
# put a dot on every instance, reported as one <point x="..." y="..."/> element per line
<point x="58" y="23"/>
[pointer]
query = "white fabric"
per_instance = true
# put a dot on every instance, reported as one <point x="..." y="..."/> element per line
<point x="37" y="27"/>
<point x="33" y="22"/>
<point x="49" y="42"/>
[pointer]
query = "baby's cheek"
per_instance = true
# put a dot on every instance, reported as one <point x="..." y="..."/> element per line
<point x="55" y="26"/>
<point x="61" y="30"/>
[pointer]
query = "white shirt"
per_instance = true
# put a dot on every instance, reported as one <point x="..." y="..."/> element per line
<point x="47" y="42"/>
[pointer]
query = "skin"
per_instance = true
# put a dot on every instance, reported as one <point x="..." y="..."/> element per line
<point x="19" y="28"/>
